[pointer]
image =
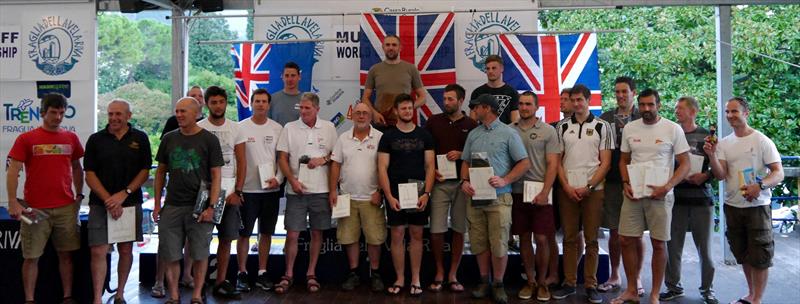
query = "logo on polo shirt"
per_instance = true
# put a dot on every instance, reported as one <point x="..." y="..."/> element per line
<point x="134" y="145"/>
<point x="251" y="139"/>
<point x="533" y="136"/>
<point x="636" y="140"/>
<point x="589" y="132"/>
<point x="658" y="141"/>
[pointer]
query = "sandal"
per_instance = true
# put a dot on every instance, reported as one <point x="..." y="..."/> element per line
<point x="173" y="301"/>
<point x="741" y="301"/>
<point x="312" y="284"/>
<point x="413" y="290"/>
<point x="158" y="292"/>
<point x="455" y="286"/>
<point x="394" y="290"/>
<point x="436" y="286"/>
<point x="284" y="285"/>
<point x="608" y="287"/>
<point x="640" y="291"/>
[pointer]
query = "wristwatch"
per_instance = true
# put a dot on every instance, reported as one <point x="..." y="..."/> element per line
<point x="128" y="191"/>
<point x="761" y="185"/>
<point x="590" y="187"/>
<point x="81" y="196"/>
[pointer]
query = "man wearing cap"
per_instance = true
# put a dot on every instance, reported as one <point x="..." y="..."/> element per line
<point x="499" y="145"/>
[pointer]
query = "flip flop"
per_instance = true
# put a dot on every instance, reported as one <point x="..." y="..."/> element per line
<point x="284" y="285"/>
<point x="455" y="286"/>
<point x="608" y="287"/>
<point x="312" y="284"/>
<point x="411" y="291"/>
<point x="741" y="301"/>
<point x="394" y="290"/>
<point x="436" y="286"/>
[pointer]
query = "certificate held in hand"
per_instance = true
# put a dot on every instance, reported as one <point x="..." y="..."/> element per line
<point x="408" y="195"/>
<point x="532" y="189"/>
<point x="265" y="173"/>
<point x="122" y="229"/>
<point x="447" y="168"/>
<point x="342" y="208"/>
<point x="479" y="179"/>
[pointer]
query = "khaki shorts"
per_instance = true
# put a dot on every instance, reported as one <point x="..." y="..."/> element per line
<point x="176" y="226"/>
<point x="366" y="217"/>
<point x="489" y="226"/>
<point x="646" y="213"/>
<point x="61" y="226"/>
<point x="447" y="196"/>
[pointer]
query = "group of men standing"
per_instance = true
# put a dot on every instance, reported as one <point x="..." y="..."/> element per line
<point x="577" y="175"/>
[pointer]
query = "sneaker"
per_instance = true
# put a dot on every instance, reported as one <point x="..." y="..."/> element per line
<point x="499" y="293"/>
<point x="543" y="293"/>
<point x="226" y="290"/>
<point x="482" y="291"/>
<point x="263" y="282"/>
<point x="669" y="295"/>
<point x="593" y="296"/>
<point x="563" y="292"/>
<point x="242" y="282"/>
<point x="376" y="283"/>
<point x="351" y="282"/>
<point x="527" y="291"/>
<point x="709" y="298"/>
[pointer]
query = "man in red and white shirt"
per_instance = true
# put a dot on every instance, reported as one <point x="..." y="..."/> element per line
<point x="51" y="157"/>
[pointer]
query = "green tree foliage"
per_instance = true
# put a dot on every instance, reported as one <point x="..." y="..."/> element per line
<point x="672" y="49"/>
<point x="155" y="69"/>
<point x="119" y="50"/>
<point x="151" y="109"/>
<point x="212" y="57"/>
<point x="205" y="78"/>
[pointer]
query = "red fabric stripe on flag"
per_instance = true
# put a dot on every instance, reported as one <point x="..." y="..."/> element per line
<point x="406" y="29"/>
<point x="439" y="36"/>
<point x="374" y="25"/>
<point x="434" y="79"/>
<point x="574" y="57"/>
<point x="524" y="67"/>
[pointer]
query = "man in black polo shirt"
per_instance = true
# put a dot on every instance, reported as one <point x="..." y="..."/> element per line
<point x="449" y="130"/>
<point x="117" y="163"/>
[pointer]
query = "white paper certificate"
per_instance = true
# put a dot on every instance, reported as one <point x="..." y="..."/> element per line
<point x="578" y="178"/>
<point x="697" y="163"/>
<point x="122" y="229"/>
<point x="342" y="208"/>
<point x="479" y="179"/>
<point x="532" y="189"/>
<point x="408" y="195"/>
<point x="447" y="168"/>
<point x="265" y="173"/>
<point x="654" y="176"/>
<point x="312" y="178"/>
<point x="636" y="175"/>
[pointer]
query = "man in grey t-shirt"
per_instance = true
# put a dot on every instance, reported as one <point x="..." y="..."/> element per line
<point x="284" y="103"/>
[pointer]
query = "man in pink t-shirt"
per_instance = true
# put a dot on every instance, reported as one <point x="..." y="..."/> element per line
<point x="51" y="157"/>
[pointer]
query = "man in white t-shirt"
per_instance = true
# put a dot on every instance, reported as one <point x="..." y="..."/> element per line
<point x="655" y="143"/>
<point x="354" y="170"/>
<point x="750" y="165"/>
<point x="233" y="173"/>
<point x="261" y="192"/>
<point x="304" y="154"/>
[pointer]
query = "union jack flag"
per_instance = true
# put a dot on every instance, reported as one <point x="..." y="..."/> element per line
<point x="546" y="64"/>
<point x="254" y="62"/>
<point x="427" y="42"/>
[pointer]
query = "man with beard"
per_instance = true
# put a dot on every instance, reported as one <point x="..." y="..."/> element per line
<point x="117" y="163"/>
<point x="693" y="210"/>
<point x="654" y="142"/>
<point x="233" y="172"/>
<point x="354" y="170"/>
<point x="405" y="155"/>
<point x="586" y="143"/>
<point x="496" y="144"/>
<point x="391" y="77"/>
<point x="51" y="157"/>
<point x="192" y="157"/>
<point x="625" y="112"/>
<point x="507" y="97"/>
<point x="305" y="142"/>
<point x="747" y="203"/>
<point x="535" y="218"/>
<point x="449" y="131"/>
